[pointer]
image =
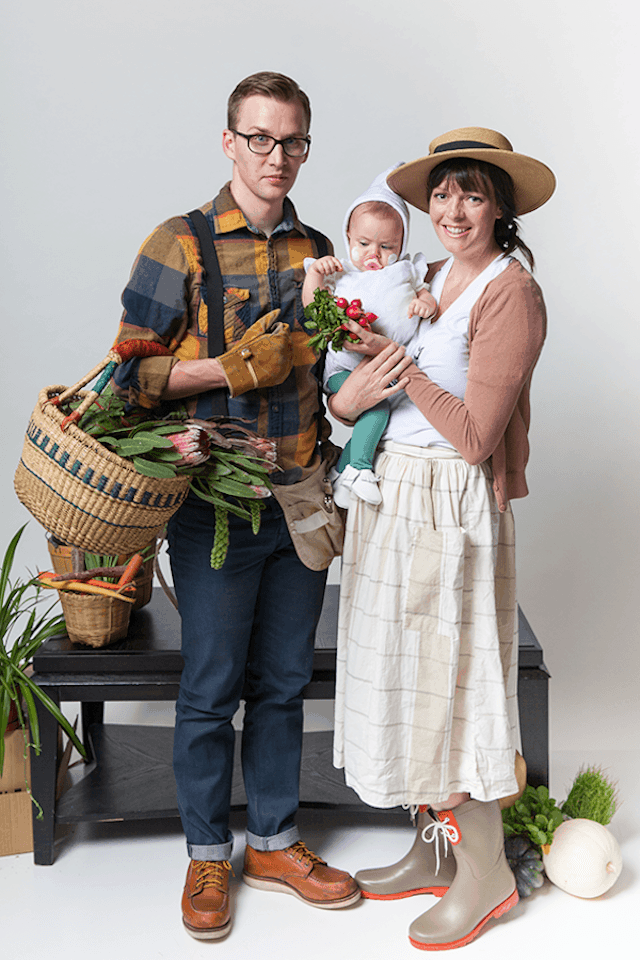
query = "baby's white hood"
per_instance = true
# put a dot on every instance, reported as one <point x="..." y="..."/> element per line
<point x="380" y="190"/>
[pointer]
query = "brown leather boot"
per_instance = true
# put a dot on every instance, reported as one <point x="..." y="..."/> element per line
<point x="298" y="871"/>
<point x="484" y="885"/>
<point x="419" y="871"/>
<point x="205" y="902"/>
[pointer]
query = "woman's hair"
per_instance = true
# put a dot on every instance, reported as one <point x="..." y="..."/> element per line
<point x="267" y="84"/>
<point x="477" y="175"/>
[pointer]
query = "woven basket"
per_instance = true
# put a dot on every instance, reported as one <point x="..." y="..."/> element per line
<point x="61" y="561"/>
<point x="80" y="491"/>
<point x="96" y="621"/>
<point x="83" y="493"/>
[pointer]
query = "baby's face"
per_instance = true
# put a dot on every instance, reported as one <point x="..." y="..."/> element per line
<point x="374" y="239"/>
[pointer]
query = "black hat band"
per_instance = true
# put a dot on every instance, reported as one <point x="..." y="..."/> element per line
<point x="464" y="145"/>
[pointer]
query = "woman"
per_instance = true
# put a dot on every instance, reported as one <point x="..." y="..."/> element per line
<point x="426" y="709"/>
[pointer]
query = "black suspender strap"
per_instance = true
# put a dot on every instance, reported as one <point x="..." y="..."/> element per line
<point x="318" y="368"/>
<point x="215" y="304"/>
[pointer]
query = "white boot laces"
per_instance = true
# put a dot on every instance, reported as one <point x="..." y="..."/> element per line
<point x="413" y="809"/>
<point x="440" y="829"/>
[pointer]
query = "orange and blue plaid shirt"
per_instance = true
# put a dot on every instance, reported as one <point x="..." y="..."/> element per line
<point x="165" y="301"/>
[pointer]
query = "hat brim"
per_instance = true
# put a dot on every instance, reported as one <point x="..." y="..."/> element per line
<point x="533" y="181"/>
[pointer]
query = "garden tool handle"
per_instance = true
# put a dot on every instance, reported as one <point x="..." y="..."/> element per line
<point x="118" y="354"/>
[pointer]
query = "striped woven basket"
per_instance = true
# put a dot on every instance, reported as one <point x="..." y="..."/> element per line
<point x="80" y="491"/>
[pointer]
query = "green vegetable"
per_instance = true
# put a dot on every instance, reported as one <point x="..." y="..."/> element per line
<point x="233" y="478"/>
<point x="326" y="317"/>
<point x="220" y="538"/>
<point x="535" y="815"/>
<point x="592" y="797"/>
<point x="526" y="864"/>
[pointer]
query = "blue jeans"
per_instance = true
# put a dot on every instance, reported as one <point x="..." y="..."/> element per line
<point x="251" y="624"/>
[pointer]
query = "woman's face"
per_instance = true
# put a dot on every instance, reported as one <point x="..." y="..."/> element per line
<point x="464" y="220"/>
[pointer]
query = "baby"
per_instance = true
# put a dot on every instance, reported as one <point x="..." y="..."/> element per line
<point x="380" y="274"/>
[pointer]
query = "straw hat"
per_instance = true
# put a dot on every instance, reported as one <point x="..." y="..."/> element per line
<point x="533" y="181"/>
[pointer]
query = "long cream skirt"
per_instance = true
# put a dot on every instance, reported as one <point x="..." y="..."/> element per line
<point x="427" y="640"/>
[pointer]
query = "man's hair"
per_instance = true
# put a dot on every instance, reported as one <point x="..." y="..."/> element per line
<point x="267" y="84"/>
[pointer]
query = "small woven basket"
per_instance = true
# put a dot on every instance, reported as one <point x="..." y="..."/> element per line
<point x="95" y="621"/>
<point x="61" y="561"/>
<point x="79" y="490"/>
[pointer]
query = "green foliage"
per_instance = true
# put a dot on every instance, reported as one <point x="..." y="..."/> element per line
<point x="592" y="796"/>
<point x="232" y="479"/>
<point x="326" y="318"/>
<point x="21" y="617"/>
<point x="221" y="537"/>
<point x="134" y="436"/>
<point x="535" y="815"/>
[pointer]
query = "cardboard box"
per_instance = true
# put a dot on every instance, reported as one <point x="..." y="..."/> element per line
<point x="16" y="828"/>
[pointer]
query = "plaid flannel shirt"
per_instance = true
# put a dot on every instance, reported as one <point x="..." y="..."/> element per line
<point x="164" y="301"/>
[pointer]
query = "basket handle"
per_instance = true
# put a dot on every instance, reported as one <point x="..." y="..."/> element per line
<point x="118" y="354"/>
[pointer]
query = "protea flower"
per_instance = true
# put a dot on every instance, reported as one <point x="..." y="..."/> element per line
<point x="193" y="444"/>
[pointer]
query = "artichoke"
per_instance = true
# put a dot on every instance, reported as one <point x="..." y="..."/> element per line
<point x="526" y="863"/>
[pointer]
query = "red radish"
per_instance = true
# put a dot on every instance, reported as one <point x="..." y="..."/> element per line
<point x="370" y="317"/>
<point x="356" y="303"/>
<point x="353" y="312"/>
<point x="342" y="303"/>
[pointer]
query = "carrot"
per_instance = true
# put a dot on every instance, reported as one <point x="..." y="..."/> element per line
<point x="131" y="570"/>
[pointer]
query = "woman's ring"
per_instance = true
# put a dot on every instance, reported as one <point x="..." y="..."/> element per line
<point x="393" y="383"/>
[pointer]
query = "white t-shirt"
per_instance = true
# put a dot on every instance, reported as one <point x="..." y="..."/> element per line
<point x="441" y="350"/>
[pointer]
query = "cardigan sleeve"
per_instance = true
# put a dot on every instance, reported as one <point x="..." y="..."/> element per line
<point x="506" y="332"/>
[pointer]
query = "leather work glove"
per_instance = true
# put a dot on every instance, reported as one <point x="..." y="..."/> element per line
<point x="262" y="358"/>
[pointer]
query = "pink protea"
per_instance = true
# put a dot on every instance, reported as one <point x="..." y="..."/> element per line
<point x="267" y="450"/>
<point x="193" y="444"/>
<point x="260" y="491"/>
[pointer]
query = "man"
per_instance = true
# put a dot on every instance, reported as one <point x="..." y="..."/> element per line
<point x="251" y="623"/>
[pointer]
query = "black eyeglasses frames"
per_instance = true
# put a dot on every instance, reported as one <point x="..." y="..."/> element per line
<point x="263" y="145"/>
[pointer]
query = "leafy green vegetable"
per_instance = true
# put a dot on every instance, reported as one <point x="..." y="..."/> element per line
<point x="323" y="315"/>
<point x="222" y="457"/>
<point x="535" y="814"/>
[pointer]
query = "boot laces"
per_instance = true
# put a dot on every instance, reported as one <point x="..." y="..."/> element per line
<point x="440" y="830"/>
<point x="210" y="873"/>
<point x="414" y="809"/>
<point x="302" y="853"/>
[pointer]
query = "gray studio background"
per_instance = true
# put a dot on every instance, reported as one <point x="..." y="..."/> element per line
<point x="112" y="120"/>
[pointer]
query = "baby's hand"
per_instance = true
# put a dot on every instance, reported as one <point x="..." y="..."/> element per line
<point x="424" y="305"/>
<point x="325" y="266"/>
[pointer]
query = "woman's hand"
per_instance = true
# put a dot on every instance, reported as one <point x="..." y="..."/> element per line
<point x="370" y="343"/>
<point x="376" y="378"/>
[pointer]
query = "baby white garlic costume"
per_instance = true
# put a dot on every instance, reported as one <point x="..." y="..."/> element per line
<point x="388" y="293"/>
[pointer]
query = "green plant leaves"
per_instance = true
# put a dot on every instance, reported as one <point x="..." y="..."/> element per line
<point x="535" y="814"/>
<point x="20" y="614"/>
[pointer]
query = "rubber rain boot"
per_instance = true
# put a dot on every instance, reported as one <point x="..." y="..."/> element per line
<point x="417" y="872"/>
<point x="484" y="885"/>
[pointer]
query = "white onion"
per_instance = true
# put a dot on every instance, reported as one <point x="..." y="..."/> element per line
<point x="584" y="858"/>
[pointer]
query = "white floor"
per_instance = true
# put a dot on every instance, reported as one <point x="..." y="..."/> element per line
<point x="114" y="891"/>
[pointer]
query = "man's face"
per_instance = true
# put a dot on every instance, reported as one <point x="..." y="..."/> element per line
<point x="264" y="178"/>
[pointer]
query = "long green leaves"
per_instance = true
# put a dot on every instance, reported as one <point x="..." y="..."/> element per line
<point x="20" y="614"/>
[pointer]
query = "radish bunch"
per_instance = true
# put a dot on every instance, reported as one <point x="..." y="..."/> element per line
<point x="328" y="316"/>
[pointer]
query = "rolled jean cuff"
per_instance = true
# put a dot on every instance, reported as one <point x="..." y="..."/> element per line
<point x="214" y="851"/>
<point x="280" y="842"/>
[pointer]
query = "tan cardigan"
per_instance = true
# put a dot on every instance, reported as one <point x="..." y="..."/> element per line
<point x="507" y="327"/>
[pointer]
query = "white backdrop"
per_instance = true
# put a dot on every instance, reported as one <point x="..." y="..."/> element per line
<point x="112" y="122"/>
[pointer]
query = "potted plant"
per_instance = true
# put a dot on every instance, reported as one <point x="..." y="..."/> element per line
<point x="23" y="629"/>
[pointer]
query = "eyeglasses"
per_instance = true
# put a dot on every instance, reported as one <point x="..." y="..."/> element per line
<point x="263" y="145"/>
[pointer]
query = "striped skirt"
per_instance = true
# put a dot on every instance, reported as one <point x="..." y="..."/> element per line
<point x="427" y="667"/>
